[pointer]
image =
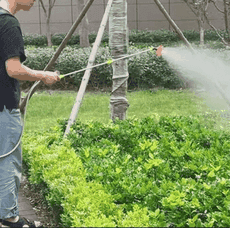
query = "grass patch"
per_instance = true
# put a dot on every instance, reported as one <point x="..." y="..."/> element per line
<point x="44" y="109"/>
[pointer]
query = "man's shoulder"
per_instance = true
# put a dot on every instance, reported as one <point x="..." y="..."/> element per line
<point x="8" y="21"/>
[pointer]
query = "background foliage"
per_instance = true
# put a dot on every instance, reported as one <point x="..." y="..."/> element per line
<point x="135" y="36"/>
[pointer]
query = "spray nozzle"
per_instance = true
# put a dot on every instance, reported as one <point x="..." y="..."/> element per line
<point x="159" y="50"/>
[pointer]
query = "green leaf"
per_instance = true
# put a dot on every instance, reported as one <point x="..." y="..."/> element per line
<point x="157" y="212"/>
<point x="211" y="174"/>
<point x="139" y="159"/>
<point x="195" y="202"/>
<point x="191" y="222"/>
<point x="127" y="159"/>
<point x="217" y="168"/>
<point x="154" y="146"/>
<point x="156" y="162"/>
<point x="223" y="181"/>
<point x="151" y="155"/>
<point x="206" y="186"/>
<point x="153" y="162"/>
<point x="86" y="152"/>
<point x="118" y="170"/>
<point x="210" y="224"/>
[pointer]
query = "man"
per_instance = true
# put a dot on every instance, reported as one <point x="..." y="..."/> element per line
<point x="11" y="69"/>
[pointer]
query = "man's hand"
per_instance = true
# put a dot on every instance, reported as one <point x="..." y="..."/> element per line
<point x="50" y="77"/>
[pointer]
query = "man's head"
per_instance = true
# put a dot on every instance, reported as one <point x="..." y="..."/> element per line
<point x="25" y="5"/>
<point x="16" y="5"/>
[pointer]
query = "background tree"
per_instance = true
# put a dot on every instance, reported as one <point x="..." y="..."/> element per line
<point x="48" y="16"/>
<point x="225" y="11"/>
<point x="199" y="8"/>
<point x="84" y="26"/>
<point x="118" y="42"/>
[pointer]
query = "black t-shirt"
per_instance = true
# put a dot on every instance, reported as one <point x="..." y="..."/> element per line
<point x="11" y="45"/>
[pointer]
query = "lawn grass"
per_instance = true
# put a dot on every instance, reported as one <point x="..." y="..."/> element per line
<point x="44" y="109"/>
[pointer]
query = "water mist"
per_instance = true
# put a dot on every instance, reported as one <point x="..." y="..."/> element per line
<point x="208" y="71"/>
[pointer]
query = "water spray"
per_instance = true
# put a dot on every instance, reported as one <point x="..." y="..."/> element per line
<point x="108" y="62"/>
<point x="204" y="67"/>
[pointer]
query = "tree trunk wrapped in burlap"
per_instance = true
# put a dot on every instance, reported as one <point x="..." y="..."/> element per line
<point x="118" y="42"/>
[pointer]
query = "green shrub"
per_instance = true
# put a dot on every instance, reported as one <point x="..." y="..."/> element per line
<point x="147" y="36"/>
<point x="175" y="164"/>
<point x="162" y="36"/>
<point x="211" y="35"/>
<point x="38" y="58"/>
<point x="155" y="171"/>
<point x="35" y="39"/>
<point x="52" y="161"/>
<point x="191" y="35"/>
<point x="58" y="38"/>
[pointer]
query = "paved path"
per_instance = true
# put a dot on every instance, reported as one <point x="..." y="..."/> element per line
<point x="25" y="208"/>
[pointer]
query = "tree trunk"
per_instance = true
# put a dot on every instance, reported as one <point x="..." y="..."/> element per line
<point x="118" y="42"/>
<point x="201" y="10"/>
<point x="226" y="12"/>
<point x="48" y="32"/>
<point x="48" y="16"/>
<point x="84" y="26"/>
<point x="201" y="29"/>
<point x="201" y="35"/>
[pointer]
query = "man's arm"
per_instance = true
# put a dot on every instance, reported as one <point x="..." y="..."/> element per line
<point x="16" y="70"/>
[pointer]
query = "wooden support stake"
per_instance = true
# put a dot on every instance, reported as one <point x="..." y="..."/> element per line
<point x="59" y="50"/>
<point x="86" y="76"/>
<point x="173" y="24"/>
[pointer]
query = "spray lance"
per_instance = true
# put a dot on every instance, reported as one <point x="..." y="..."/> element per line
<point x="110" y="61"/>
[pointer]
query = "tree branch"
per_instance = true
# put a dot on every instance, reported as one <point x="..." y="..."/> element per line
<point x="206" y="7"/>
<point x="213" y="27"/>
<point x="53" y="4"/>
<point x="214" y="2"/>
<point x="43" y="7"/>
<point x="188" y="4"/>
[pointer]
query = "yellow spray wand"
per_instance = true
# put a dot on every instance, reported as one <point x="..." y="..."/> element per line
<point x="110" y="61"/>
